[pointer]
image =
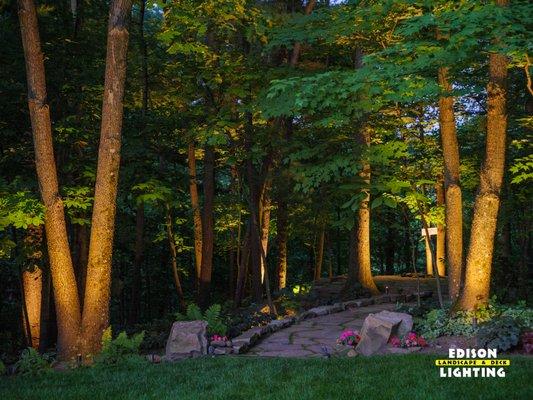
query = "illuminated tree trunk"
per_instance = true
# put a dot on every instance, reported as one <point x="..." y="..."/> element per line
<point x="207" y="228"/>
<point x="362" y="242"/>
<point x="33" y="284"/>
<point x="197" y="215"/>
<point x="281" y="239"/>
<point x="441" y="232"/>
<point x="264" y="213"/>
<point x="479" y="259"/>
<point x="97" y="293"/>
<point x="452" y="188"/>
<point x="320" y="252"/>
<point x="61" y="267"/>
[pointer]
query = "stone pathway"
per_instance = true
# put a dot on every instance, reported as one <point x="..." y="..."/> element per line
<point x="309" y="338"/>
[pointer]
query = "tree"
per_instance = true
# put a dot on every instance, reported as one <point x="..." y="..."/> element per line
<point x="479" y="259"/>
<point x="64" y="281"/>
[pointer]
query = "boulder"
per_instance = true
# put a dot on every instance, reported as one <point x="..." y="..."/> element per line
<point x="378" y="328"/>
<point x="187" y="339"/>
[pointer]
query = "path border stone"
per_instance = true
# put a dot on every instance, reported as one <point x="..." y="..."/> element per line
<point x="245" y="341"/>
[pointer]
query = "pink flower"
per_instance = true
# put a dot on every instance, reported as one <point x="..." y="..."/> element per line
<point x="395" y="341"/>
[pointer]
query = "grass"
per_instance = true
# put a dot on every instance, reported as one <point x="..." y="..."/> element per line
<point x="385" y="377"/>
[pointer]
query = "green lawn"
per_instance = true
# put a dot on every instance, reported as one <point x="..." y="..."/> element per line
<point x="387" y="377"/>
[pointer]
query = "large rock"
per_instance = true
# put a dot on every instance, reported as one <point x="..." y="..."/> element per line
<point x="187" y="339"/>
<point x="378" y="328"/>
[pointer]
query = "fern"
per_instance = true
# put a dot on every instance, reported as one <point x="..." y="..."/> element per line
<point x="193" y="312"/>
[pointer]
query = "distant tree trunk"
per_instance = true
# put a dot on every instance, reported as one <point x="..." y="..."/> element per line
<point x="61" y="267"/>
<point x="281" y="239"/>
<point x="452" y="187"/>
<point x="441" y="231"/>
<point x="298" y="46"/>
<point x="429" y="258"/>
<point x="174" y="257"/>
<point x="97" y="293"/>
<point x="207" y="228"/>
<point x="362" y="250"/>
<point x="352" y="259"/>
<point x="479" y="260"/>
<point x="197" y="215"/>
<point x="320" y="252"/>
<point x="135" y="306"/>
<point x="390" y="250"/>
<point x="243" y="264"/>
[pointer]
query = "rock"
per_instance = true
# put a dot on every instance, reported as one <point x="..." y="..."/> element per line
<point x="382" y="299"/>
<point x="322" y="310"/>
<point x="218" y="343"/>
<point x="187" y="339"/>
<point x="405" y="320"/>
<point x="278" y="324"/>
<point x="351" y="304"/>
<point x="337" y="307"/>
<point x="249" y="337"/>
<point x="377" y="329"/>
<point x="351" y="353"/>
<point x="220" y="351"/>
<point x="364" y="302"/>
<point x="240" y="348"/>
<point x="228" y="343"/>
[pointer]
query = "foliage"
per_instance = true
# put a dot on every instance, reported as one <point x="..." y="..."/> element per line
<point x="500" y="333"/>
<point x="213" y="316"/>
<point x="120" y="349"/>
<point x="32" y="363"/>
<point x="443" y="322"/>
<point x="2" y="368"/>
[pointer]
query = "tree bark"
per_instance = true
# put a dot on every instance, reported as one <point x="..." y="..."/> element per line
<point x="207" y="228"/>
<point x="97" y="294"/>
<point x="441" y="232"/>
<point x="174" y="258"/>
<point x="320" y="252"/>
<point x="61" y="267"/>
<point x="196" y="211"/>
<point x="362" y="243"/>
<point x="479" y="259"/>
<point x="264" y="213"/>
<point x="298" y="46"/>
<point x="281" y="239"/>
<point x="452" y="188"/>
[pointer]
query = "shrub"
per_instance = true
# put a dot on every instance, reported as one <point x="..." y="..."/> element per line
<point x="122" y="348"/>
<point x="2" y="368"/>
<point x="500" y="333"/>
<point x="32" y="363"/>
<point x="441" y="322"/>
<point x="213" y="317"/>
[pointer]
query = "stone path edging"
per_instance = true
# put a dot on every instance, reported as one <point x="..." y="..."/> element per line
<point x="243" y="342"/>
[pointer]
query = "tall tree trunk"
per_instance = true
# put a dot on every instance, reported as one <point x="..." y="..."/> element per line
<point x="264" y="213"/>
<point x="479" y="260"/>
<point x="32" y="283"/>
<point x="452" y="187"/>
<point x="320" y="252"/>
<point x="61" y="267"/>
<point x="97" y="294"/>
<point x="196" y="211"/>
<point x="135" y="307"/>
<point x="281" y="239"/>
<point x="174" y="258"/>
<point x="441" y="231"/>
<point x="207" y="228"/>
<point x="242" y="267"/>
<point x="362" y="243"/>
